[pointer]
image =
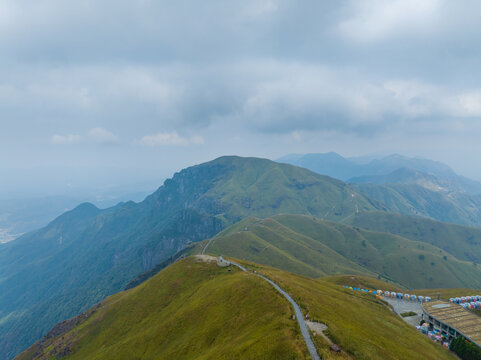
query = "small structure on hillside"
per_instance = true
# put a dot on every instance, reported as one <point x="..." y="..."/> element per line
<point x="335" y="348"/>
<point x="221" y="262"/>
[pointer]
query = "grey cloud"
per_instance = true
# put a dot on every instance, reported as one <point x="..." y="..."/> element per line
<point x="270" y="71"/>
<point x="170" y="139"/>
<point x="266" y="96"/>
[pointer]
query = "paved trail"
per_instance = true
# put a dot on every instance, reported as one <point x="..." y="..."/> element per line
<point x="300" y="318"/>
<point x="402" y="306"/>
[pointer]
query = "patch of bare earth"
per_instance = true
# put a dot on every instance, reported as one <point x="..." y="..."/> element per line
<point x="318" y="328"/>
<point x="205" y="258"/>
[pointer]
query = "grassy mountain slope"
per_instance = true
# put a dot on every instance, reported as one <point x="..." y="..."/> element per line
<point x="258" y="187"/>
<point x="460" y="241"/>
<point x="269" y="242"/>
<point x="195" y="310"/>
<point x="312" y="247"/>
<point x="364" y="282"/>
<point x="87" y="254"/>
<point x="358" y="322"/>
<point x="446" y="294"/>
<point x="191" y="310"/>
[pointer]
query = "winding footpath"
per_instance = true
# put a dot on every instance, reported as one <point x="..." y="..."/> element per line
<point x="297" y="310"/>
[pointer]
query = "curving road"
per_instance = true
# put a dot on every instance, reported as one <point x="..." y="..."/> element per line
<point x="297" y="310"/>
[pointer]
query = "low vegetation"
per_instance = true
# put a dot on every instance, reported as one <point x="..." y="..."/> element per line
<point x="364" y="282"/>
<point x="465" y="350"/>
<point x="87" y="254"/>
<point x="362" y="325"/>
<point x="463" y="242"/>
<point x="196" y="310"/>
<point x="312" y="247"/>
<point x="446" y="294"/>
<point x="408" y="314"/>
<point x="190" y="310"/>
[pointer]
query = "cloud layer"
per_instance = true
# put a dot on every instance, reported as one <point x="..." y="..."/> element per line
<point x="261" y="77"/>
<point x="170" y="139"/>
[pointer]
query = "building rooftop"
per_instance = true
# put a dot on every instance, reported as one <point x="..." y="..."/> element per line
<point x="457" y="317"/>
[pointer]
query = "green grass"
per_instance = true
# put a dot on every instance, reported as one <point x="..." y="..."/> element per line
<point x="195" y="310"/>
<point x="446" y="294"/>
<point x="315" y="248"/>
<point x="88" y="254"/>
<point x="408" y="314"/>
<point x="246" y="187"/>
<point x="460" y="241"/>
<point x="363" y="282"/>
<point x="191" y="310"/>
<point x="269" y="242"/>
<point x="362" y="325"/>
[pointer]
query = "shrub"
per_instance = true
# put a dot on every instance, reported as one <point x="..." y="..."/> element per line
<point x="464" y="349"/>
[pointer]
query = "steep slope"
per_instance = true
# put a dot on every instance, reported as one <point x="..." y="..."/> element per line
<point x="420" y="200"/>
<point x="196" y="310"/>
<point x="87" y="254"/>
<point x="191" y="310"/>
<point x="312" y="247"/>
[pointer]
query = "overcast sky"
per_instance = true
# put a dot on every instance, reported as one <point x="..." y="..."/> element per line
<point x="111" y="93"/>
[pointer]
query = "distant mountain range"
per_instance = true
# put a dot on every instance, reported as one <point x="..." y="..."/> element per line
<point x="345" y="169"/>
<point x="410" y="186"/>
